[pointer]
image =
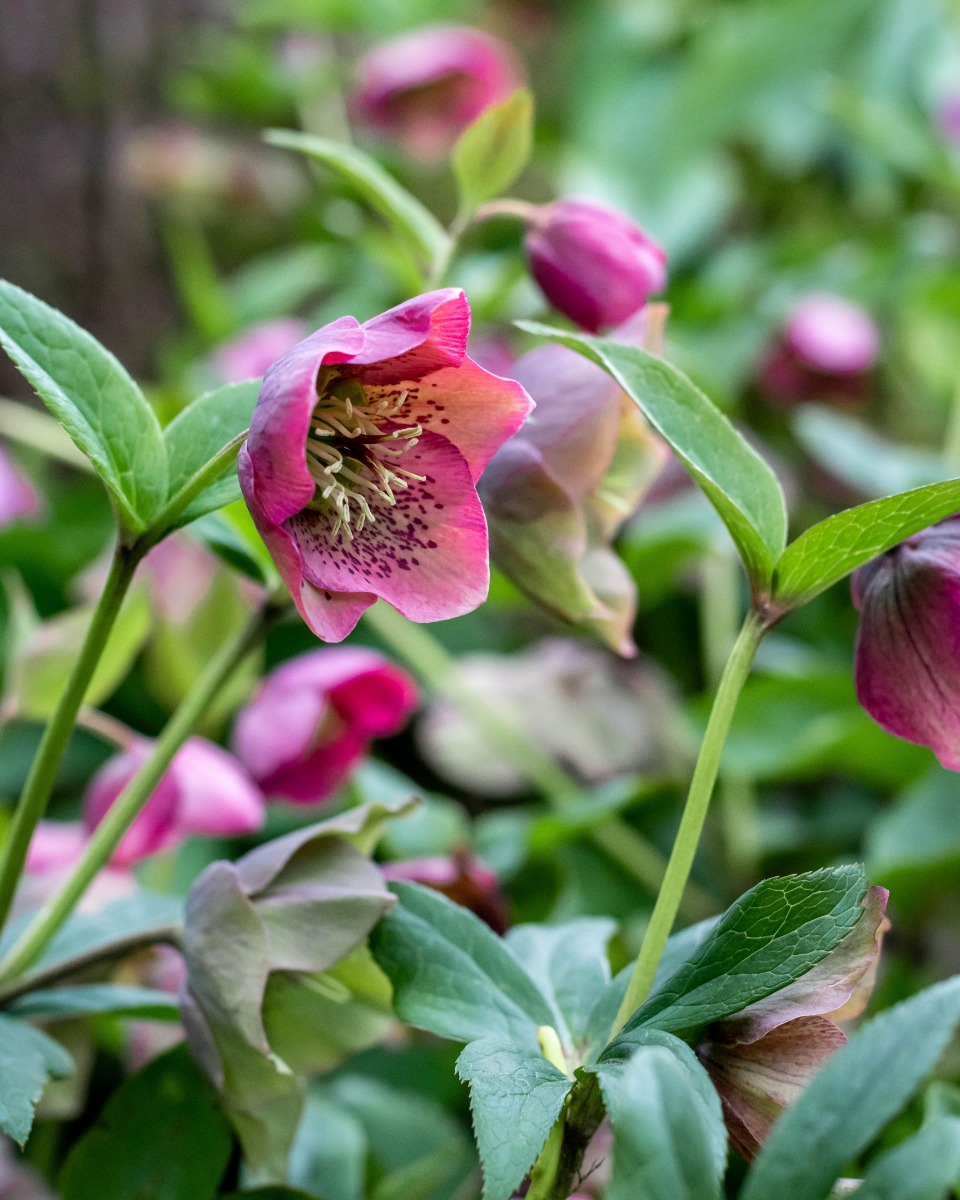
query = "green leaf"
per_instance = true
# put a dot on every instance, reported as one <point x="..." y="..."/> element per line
<point x="271" y="1193"/>
<point x="837" y="546"/>
<point x="452" y="975"/>
<point x="90" y="999"/>
<point x="230" y="535"/>
<point x="371" y="182"/>
<point x="864" y="1085"/>
<point x="771" y="936"/>
<point x="161" y="1134"/>
<point x="93" y="398"/>
<point x="515" y="1097"/>
<point x="921" y="1168"/>
<point x="329" y="1153"/>
<point x="918" y="837"/>
<point x="202" y="431"/>
<point x="28" y="1060"/>
<point x="735" y="479"/>
<point x="491" y="152"/>
<point x="669" y="1140"/>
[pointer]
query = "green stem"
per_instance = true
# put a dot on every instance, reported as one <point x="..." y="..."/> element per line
<point x="543" y="1177"/>
<point x="694" y="814"/>
<point x="121" y="815"/>
<point x="53" y="744"/>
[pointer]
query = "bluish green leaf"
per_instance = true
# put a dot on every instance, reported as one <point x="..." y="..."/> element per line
<point x="93" y="398"/>
<point x="923" y="1167"/>
<point x="28" y="1060"/>
<point x="834" y="548"/>
<point x="452" y="975"/>
<point x="771" y="936"/>
<point x="852" y="1098"/>
<point x="515" y="1097"/>
<point x="90" y="999"/>
<point x="736" y="480"/>
<point x="371" y="182"/>
<point x="493" y="150"/>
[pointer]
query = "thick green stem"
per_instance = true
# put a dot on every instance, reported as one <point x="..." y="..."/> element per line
<point x="121" y="815"/>
<point x="53" y="744"/>
<point x="694" y="815"/>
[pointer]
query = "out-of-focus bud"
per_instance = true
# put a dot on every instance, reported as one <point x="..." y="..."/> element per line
<point x="598" y="715"/>
<point x="313" y="718"/>
<point x="249" y="355"/>
<point x="55" y="849"/>
<point x="424" y="88"/>
<point x="827" y="350"/>
<point x="205" y="791"/>
<point x="17" y="497"/>
<point x="461" y="878"/>
<point x="593" y="263"/>
<point x="908" y="647"/>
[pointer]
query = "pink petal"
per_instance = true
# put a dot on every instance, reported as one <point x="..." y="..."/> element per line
<point x="155" y="829"/>
<point x="55" y="845"/>
<point x="833" y="335"/>
<point x="318" y="776"/>
<point x="377" y="703"/>
<point x="216" y="796"/>
<point x="468" y="406"/>
<point x="427" y="555"/>
<point x="278" y="727"/>
<point x="413" y="339"/>
<point x="17" y="497"/>
<point x="257" y="348"/>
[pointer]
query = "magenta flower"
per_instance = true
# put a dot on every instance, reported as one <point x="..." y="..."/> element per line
<point x="313" y="719"/>
<point x="249" y="355"/>
<point x="593" y="263"/>
<point x="426" y="87"/>
<point x="205" y="791"/>
<point x="827" y="350"/>
<point x="762" y="1058"/>
<point x="908" y="642"/>
<point x="461" y="878"/>
<point x="362" y="461"/>
<point x="17" y="497"/>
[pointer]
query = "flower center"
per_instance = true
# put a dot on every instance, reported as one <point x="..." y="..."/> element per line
<point x="351" y="457"/>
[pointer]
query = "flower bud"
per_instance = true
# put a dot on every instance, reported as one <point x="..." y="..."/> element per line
<point x="593" y="263"/>
<point x="426" y="87"/>
<point x="908" y="649"/>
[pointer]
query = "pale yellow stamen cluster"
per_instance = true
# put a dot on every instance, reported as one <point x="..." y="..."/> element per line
<point x="344" y="472"/>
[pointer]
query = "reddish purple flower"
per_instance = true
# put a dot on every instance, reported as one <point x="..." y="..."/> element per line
<point x="593" y="263"/>
<point x="205" y="791"/>
<point x="460" y="878"/>
<point x="762" y="1058"/>
<point x="362" y="461"/>
<point x="827" y="349"/>
<point x="313" y="719"/>
<point x="426" y="87"/>
<point x="249" y="355"/>
<point x="17" y="497"/>
<point x="908" y="642"/>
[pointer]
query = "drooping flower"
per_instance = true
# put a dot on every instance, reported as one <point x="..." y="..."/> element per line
<point x="557" y="493"/>
<point x="249" y="355"/>
<point x="762" y="1058"/>
<point x="424" y="88"/>
<point x="459" y="877"/>
<point x="17" y="497"/>
<point x="361" y="466"/>
<point x="908" y="641"/>
<point x="826" y="351"/>
<point x="205" y="791"/>
<point x="313" y="718"/>
<point x="592" y="263"/>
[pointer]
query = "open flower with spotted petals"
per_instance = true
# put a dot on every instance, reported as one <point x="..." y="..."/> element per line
<point x="361" y="466"/>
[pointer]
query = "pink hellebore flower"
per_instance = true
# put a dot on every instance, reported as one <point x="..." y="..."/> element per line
<point x="908" y="642"/>
<point x="593" y="263"/>
<point x="827" y="348"/>
<point x="361" y="466"/>
<point x="424" y="88"/>
<point x="461" y="878"/>
<point x="205" y="791"/>
<point x="313" y="718"/>
<point x="762" y="1058"/>
<point x="17" y="497"/>
<point x="249" y="355"/>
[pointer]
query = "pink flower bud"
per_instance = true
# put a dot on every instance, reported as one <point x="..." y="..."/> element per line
<point x="426" y="87"/>
<point x="204" y="791"/>
<point x="313" y="718"/>
<point x="17" y="497"/>
<point x="249" y="355"/>
<point x="460" y="878"/>
<point x="593" y="264"/>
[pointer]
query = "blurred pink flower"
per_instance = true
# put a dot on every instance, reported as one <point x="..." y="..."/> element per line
<point x="461" y="878"/>
<point x="17" y="497"/>
<point x="249" y="355"/>
<point x="205" y="791"/>
<point x="361" y="466"/>
<point x="947" y="118"/>
<point x="593" y="263"/>
<point x="55" y="849"/>
<point x="827" y="350"/>
<point x="426" y="87"/>
<point x="313" y="718"/>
